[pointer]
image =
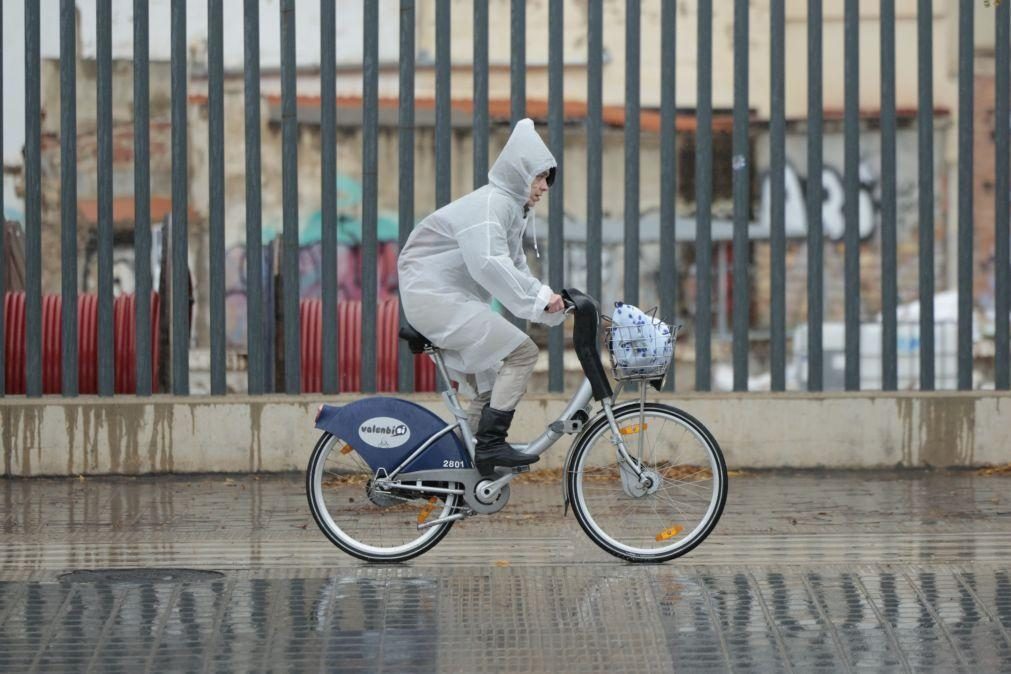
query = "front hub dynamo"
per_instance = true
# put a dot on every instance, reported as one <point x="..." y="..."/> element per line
<point x="637" y="488"/>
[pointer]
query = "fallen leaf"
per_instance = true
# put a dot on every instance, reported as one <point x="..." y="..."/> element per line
<point x="501" y="563"/>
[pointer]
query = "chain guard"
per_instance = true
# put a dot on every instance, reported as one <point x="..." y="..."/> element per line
<point x="479" y="506"/>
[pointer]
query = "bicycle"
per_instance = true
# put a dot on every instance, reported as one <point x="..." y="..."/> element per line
<point x="647" y="482"/>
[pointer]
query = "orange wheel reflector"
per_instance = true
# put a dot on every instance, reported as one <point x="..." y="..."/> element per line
<point x="347" y="449"/>
<point x="669" y="533"/>
<point x="632" y="430"/>
<point x="427" y="509"/>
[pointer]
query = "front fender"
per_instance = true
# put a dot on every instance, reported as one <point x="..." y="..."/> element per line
<point x="578" y="441"/>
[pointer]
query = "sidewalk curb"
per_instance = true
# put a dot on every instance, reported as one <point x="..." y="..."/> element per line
<point x="137" y="436"/>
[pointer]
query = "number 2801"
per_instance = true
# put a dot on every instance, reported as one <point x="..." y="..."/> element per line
<point x="452" y="463"/>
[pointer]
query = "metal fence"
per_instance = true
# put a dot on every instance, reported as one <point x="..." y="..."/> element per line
<point x="258" y="377"/>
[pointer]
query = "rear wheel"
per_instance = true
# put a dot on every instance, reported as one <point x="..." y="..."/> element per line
<point x="370" y="523"/>
<point x="662" y="504"/>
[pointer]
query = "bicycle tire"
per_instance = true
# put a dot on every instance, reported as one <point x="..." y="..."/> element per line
<point x="343" y="540"/>
<point x="594" y="531"/>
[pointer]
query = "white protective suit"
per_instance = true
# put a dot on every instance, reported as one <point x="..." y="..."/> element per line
<point x="470" y="251"/>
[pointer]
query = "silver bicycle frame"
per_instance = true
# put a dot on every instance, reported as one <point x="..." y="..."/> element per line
<point x="535" y="447"/>
<point x="579" y="401"/>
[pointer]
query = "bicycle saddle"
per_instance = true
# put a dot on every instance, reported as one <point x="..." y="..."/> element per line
<point x="416" y="341"/>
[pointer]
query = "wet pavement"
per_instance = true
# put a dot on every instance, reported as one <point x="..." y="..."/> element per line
<point x="904" y="571"/>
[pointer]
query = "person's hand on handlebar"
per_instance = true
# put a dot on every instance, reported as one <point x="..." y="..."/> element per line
<point x="555" y="304"/>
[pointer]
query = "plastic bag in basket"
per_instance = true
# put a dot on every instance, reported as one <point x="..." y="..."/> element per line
<point x="639" y="342"/>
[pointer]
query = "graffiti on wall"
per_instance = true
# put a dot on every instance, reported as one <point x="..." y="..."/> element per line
<point x="311" y="262"/>
<point x="124" y="279"/>
<point x="833" y="208"/>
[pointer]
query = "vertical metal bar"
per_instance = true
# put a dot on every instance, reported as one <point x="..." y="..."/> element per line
<point x="722" y="252"/>
<point x="704" y="195"/>
<point x="1002" y="193"/>
<point x="925" y="128"/>
<point x="180" y="206"/>
<point x="517" y="61"/>
<point x="405" y="369"/>
<point x="33" y="203"/>
<point x="815" y="273"/>
<point x="480" y="93"/>
<point x="216" y="140"/>
<point x="142" y="196"/>
<point x="668" y="172"/>
<point x="3" y="220"/>
<point x="889" y="287"/>
<point x="443" y="175"/>
<point x="328" y="173"/>
<point x="742" y="189"/>
<point x="851" y="263"/>
<point x="965" y="187"/>
<point x="370" y="186"/>
<point x="594" y="129"/>
<point x="68" y="192"/>
<point x="777" y="235"/>
<point x="254" y="249"/>
<point x="106" y="354"/>
<point x="632" y="28"/>
<point x="556" y="214"/>
<point x="517" y="86"/>
<point x="289" y="206"/>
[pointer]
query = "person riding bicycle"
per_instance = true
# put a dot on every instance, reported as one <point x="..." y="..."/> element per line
<point x="460" y="257"/>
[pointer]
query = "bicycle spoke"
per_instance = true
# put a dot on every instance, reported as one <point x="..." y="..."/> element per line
<point x="643" y="518"/>
<point x="365" y="517"/>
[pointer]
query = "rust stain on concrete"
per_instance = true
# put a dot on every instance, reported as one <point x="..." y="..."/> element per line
<point x="10" y="416"/>
<point x="123" y="425"/>
<point x="947" y="431"/>
<point x="70" y="413"/>
<point x="159" y="450"/>
<point x="90" y="422"/>
<point x="29" y="437"/>
<point x="113" y="436"/>
<point x="255" y="438"/>
<point x="906" y="408"/>
<point x="132" y="420"/>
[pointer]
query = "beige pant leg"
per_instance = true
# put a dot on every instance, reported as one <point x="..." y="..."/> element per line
<point x="513" y="376"/>
<point x="476" y="405"/>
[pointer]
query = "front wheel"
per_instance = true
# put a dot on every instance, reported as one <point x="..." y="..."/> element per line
<point x="661" y="502"/>
<point x="371" y="524"/>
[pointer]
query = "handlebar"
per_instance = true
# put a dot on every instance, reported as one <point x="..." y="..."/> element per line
<point x="585" y="339"/>
<point x="570" y="306"/>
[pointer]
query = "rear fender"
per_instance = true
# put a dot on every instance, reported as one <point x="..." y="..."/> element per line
<point x="385" y="431"/>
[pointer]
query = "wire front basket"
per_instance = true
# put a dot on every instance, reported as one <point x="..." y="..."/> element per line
<point x="641" y="351"/>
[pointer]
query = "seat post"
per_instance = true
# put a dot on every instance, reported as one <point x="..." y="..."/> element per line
<point x="440" y="365"/>
<point x="450" y="398"/>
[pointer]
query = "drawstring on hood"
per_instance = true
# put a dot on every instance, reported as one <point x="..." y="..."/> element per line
<point x="523" y="158"/>
<point x="533" y="218"/>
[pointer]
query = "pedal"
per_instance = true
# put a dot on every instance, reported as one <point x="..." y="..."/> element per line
<point x="521" y="469"/>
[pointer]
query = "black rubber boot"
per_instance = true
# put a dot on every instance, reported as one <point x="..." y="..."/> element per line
<point x="492" y="449"/>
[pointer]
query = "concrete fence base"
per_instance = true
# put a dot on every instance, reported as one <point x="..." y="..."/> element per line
<point x="95" y="436"/>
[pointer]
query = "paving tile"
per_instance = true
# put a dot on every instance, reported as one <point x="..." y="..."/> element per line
<point x="833" y="571"/>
